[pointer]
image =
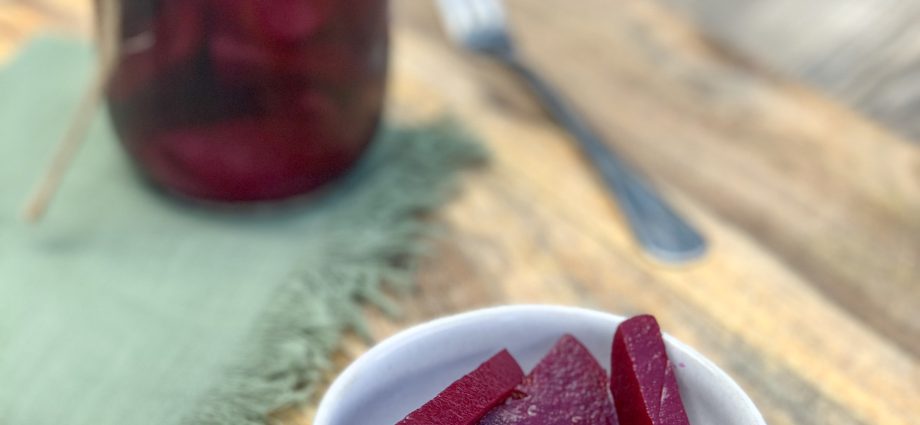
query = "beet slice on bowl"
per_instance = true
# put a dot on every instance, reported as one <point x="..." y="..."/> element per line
<point x="642" y="378"/>
<point x="567" y="387"/>
<point x="468" y="399"/>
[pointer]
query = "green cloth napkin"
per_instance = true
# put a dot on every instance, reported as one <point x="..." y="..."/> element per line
<point x="125" y="307"/>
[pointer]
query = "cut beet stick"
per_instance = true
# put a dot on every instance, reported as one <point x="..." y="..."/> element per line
<point x="642" y="378"/>
<point x="567" y="387"/>
<point x="468" y="399"/>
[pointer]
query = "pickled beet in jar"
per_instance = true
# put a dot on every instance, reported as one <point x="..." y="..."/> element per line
<point x="248" y="100"/>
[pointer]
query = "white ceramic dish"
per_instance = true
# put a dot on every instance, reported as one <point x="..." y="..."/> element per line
<point x="403" y="372"/>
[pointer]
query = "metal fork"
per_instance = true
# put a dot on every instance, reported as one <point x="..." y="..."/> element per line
<point x="480" y="26"/>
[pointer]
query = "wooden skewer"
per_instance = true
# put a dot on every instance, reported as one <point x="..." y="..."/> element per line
<point x="64" y="153"/>
<point x="109" y="12"/>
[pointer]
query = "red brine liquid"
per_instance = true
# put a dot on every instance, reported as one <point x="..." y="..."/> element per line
<point x="248" y="100"/>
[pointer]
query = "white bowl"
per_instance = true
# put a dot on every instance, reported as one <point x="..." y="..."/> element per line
<point x="403" y="372"/>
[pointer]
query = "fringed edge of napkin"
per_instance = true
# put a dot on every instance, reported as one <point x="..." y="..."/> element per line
<point x="289" y="349"/>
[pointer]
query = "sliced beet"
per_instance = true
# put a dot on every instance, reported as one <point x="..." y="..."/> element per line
<point x="275" y="22"/>
<point x="319" y="40"/>
<point x="292" y="20"/>
<point x="672" y="407"/>
<point x="242" y="60"/>
<point x="151" y="49"/>
<point x="642" y="377"/>
<point x="567" y="387"/>
<point x="246" y="159"/>
<point x="466" y="401"/>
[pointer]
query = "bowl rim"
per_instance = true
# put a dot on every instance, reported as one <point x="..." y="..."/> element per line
<point x="336" y="391"/>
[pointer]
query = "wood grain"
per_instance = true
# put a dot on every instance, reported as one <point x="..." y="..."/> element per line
<point x="21" y="19"/>
<point x="810" y="295"/>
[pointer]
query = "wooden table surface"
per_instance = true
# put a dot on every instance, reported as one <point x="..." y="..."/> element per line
<point x="810" y="296"/>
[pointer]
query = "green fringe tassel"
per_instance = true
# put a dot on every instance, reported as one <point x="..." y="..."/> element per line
<point x="408" y="171"/>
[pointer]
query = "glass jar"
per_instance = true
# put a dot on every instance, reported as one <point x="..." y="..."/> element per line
<point x="248" y="100"/>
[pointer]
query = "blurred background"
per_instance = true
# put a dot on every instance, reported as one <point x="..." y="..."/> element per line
<point x="865" y="53"/>
<point x="786" y="130"/>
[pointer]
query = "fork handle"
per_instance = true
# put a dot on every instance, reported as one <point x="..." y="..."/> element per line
<point x="655" y="224"/>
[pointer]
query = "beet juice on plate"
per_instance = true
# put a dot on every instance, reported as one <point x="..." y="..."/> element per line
<point x="248" y="100"/>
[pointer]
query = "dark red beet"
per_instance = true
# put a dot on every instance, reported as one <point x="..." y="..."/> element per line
<point x="239" y="59"/>
<point x="466" y="401"/>
<point x="251" y="158"/>
<point x="255" y="40"/>
<point x="274" y="22"/>
<point x="567" y="387"/>
<point x="672" y="407"/>
<point x="642" y="378"/>
<point x="292" y="20"/>
<point x="150" y="50"/>
<point x="248" y="100"/>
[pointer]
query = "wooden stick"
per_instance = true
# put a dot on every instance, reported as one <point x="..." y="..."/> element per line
<point x="109" y="12"/>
